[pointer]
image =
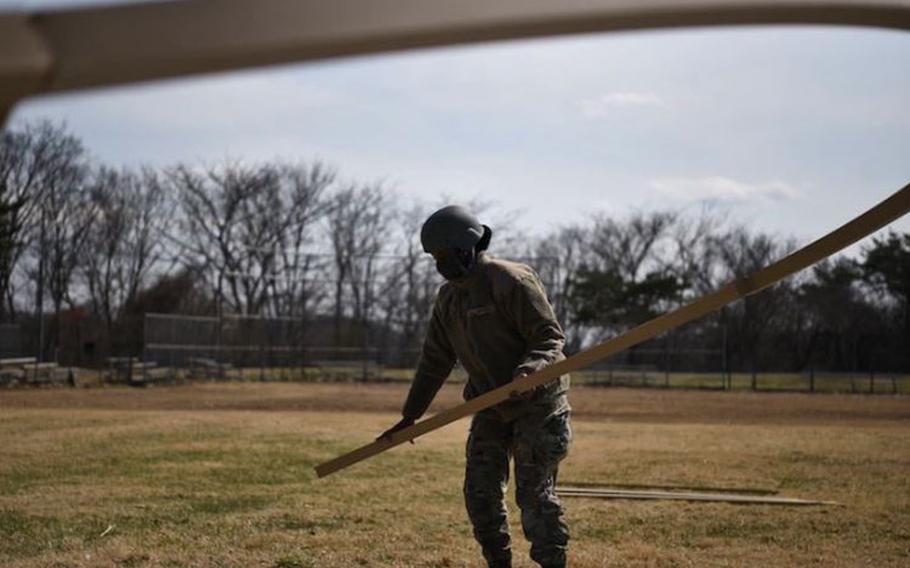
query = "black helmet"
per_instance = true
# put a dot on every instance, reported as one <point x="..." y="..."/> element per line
<point x="453" y="227"/>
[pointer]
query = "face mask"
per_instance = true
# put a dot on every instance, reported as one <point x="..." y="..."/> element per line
<point x="455" y="264"/>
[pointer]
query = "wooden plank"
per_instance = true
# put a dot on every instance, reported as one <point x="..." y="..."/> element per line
<point x="159" y="373"/>
<point x="680" y="496"/>
<point x="17" y="361"/>
<point x="12" y="374"/>
<point x="888" y="210"/>
<point x="207" y="363"/>
<point x="122" y="360"/>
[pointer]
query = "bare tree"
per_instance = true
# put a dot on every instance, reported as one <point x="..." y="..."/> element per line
<point x="297" y="289"/>
<point x="358" y="229"/>
<point x="695" y="254"/>
<point x="132" y="214"/>
<point x="632" y="246"/>
<point x="410" y="288"/>
<point x="101" y="268"/>
<point x="34" y="160"/>
<point x="225" y="229"/>
<point x="61" y="215"/>
<point x="564" y="251"/>
<point x="67" y="216"/>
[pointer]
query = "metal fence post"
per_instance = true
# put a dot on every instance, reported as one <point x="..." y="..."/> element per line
<point x="872" y="373"/>
<point x="261" y="361"/>
<point x="754" y="373"/>
<point x="145" y="331"/>
<point x="726" y="375"/>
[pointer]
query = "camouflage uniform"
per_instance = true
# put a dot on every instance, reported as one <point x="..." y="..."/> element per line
<point x="537" y="445"/>
<point x="498" y="323"/>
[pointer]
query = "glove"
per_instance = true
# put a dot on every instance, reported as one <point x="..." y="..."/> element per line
<point x="402" y="424"/>
<point x="525" y="396"/>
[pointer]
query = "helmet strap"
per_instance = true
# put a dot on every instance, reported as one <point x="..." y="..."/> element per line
<point x="484" y="241"/>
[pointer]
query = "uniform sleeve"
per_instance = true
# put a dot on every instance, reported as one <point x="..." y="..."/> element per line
<point x="537" y="323"/>
<point x="436" y="361"/>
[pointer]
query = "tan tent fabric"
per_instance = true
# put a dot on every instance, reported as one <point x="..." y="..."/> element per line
<point x="89" y="47"/>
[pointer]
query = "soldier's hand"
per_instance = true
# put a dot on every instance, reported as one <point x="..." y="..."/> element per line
<point x="402" y="424"/>
<point x="517" y="396"/>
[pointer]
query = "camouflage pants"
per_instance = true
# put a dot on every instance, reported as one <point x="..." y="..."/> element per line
<point x="537" y="445"/>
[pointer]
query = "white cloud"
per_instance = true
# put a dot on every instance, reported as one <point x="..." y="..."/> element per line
<point x="723" y="189"/>
<point x="602" y="105"/>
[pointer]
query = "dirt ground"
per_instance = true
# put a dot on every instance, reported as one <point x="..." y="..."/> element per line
<point x="222" y="475"/>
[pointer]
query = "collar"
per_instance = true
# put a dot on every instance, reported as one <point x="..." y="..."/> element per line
<point x="472" y="278"/>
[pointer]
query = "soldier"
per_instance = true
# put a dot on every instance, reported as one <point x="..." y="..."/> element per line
<point x="494" y="317"/>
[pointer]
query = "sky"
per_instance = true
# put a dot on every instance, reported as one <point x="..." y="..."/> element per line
<point x="791" y="130"/>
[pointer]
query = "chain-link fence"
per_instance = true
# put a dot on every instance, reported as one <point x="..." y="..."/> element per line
<point x="269" y="348"/>
<point x="256" y="348"/>
<point x="658" y="364"/>
<point x="11" y="344"/>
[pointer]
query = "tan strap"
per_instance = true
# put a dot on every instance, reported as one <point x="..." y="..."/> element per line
<point x="885" y="212"/>
<point x="68" y="48"/>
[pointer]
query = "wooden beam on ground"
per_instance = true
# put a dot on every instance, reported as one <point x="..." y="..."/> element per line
<point x="879" y="216"/>
<point x="75" y="48"/>
<point x="686" y="496"/>
<point x="672" y="487"/>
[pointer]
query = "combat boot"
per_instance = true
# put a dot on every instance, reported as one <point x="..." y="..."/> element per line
<point x="558" y="562"/>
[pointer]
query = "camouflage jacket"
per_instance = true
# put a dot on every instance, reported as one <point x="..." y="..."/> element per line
<point x="498" y="323"/>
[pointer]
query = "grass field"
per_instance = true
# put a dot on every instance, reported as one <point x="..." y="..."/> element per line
<point x="221" y="475"/>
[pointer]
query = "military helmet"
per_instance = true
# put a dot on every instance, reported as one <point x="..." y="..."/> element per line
<point x="452" y="227"/>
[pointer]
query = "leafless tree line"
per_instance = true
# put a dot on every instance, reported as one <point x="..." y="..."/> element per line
<point x="655" y="260"/>
<point x="296" y="240"/>
<point x="277" y="239"/>
<point x="845" y="314"/>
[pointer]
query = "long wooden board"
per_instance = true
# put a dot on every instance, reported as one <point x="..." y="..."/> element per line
<point x="879" y="216"/>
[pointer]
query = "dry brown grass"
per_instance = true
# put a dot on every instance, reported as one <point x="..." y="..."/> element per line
<point x="619" y="404"/>
<point x="221" y="475"/>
